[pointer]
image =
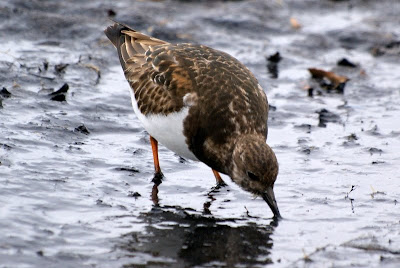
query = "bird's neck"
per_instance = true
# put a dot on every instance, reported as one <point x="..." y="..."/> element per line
<point x="241" y="145"/>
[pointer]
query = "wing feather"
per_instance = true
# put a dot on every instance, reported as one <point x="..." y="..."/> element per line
<point x="157" y="78"/>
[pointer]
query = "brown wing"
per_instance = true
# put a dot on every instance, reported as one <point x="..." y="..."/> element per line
<point x="158" y="79"/>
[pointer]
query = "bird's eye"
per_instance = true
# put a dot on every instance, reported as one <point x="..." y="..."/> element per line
<point x="252" y="176"/>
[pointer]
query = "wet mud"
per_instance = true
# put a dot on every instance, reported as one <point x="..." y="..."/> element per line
<point x="76" y="166"/>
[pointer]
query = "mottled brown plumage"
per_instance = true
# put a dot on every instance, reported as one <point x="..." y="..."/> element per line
<point x="226" y="125"/>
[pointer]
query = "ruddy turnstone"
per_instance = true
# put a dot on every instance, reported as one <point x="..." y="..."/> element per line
<point x="201" y="103"/>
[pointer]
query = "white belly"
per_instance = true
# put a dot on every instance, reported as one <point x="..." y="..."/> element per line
<point x="168" y="130"/>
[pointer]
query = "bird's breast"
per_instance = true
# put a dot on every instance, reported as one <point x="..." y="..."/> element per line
<point x="166" y="129"/>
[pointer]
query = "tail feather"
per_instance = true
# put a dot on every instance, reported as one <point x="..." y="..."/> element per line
<point x="131" y="45"/>
<point x="113" y="33"/>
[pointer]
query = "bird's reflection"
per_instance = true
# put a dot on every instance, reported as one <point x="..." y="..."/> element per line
<point x="211" y="198"/>
<point x="177" y="237"/>
<point x="154" y="195"/>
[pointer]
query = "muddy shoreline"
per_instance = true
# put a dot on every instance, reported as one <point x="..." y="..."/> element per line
<point x="76" y="166"/>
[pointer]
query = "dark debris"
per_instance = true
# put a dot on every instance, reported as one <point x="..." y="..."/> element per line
<point x="272" y="65"/>
<point x="326" y="116"/>
<point x="346" y="63"/>
<point x="373" y="150"/>
<point x="60" y="98"/>
<point x="111" y="13"/>
<point x="82" y="129"/>
<point x="4" y="93"/>
<point x="60" y="95"/>
<point x="60" y="68"/>
<point x="129" y="169"/>
<point x="306" y="127"/>
<point x="391" y="48"/>
<point x="328" y="80"/>
<point x="134" y="194"/>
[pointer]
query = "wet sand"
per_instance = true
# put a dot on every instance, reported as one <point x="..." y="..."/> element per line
<point x="76" y="166"/>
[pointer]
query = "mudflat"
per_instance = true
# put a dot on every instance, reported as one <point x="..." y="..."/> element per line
<point x="76" y="165"/>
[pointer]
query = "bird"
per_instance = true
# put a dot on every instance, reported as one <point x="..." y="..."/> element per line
<point x="202" y="104"/>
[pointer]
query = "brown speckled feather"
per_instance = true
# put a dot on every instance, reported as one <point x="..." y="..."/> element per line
<point x="224" y="97"/>
<point x="229" y="103"/>
<point x="159" y="80"/>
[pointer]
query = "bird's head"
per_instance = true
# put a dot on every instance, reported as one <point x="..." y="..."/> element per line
<point x="255" y="168"/>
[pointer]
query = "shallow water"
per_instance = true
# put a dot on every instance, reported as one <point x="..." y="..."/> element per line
<point x="72" y="198"/>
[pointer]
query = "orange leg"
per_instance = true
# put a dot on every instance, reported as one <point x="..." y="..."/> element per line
<point x="154" y="148"/>
<point x="220" y="181"/>
<point x="158" y="174"/>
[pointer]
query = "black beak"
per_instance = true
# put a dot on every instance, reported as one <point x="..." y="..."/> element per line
<point x="269" y="197"/>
